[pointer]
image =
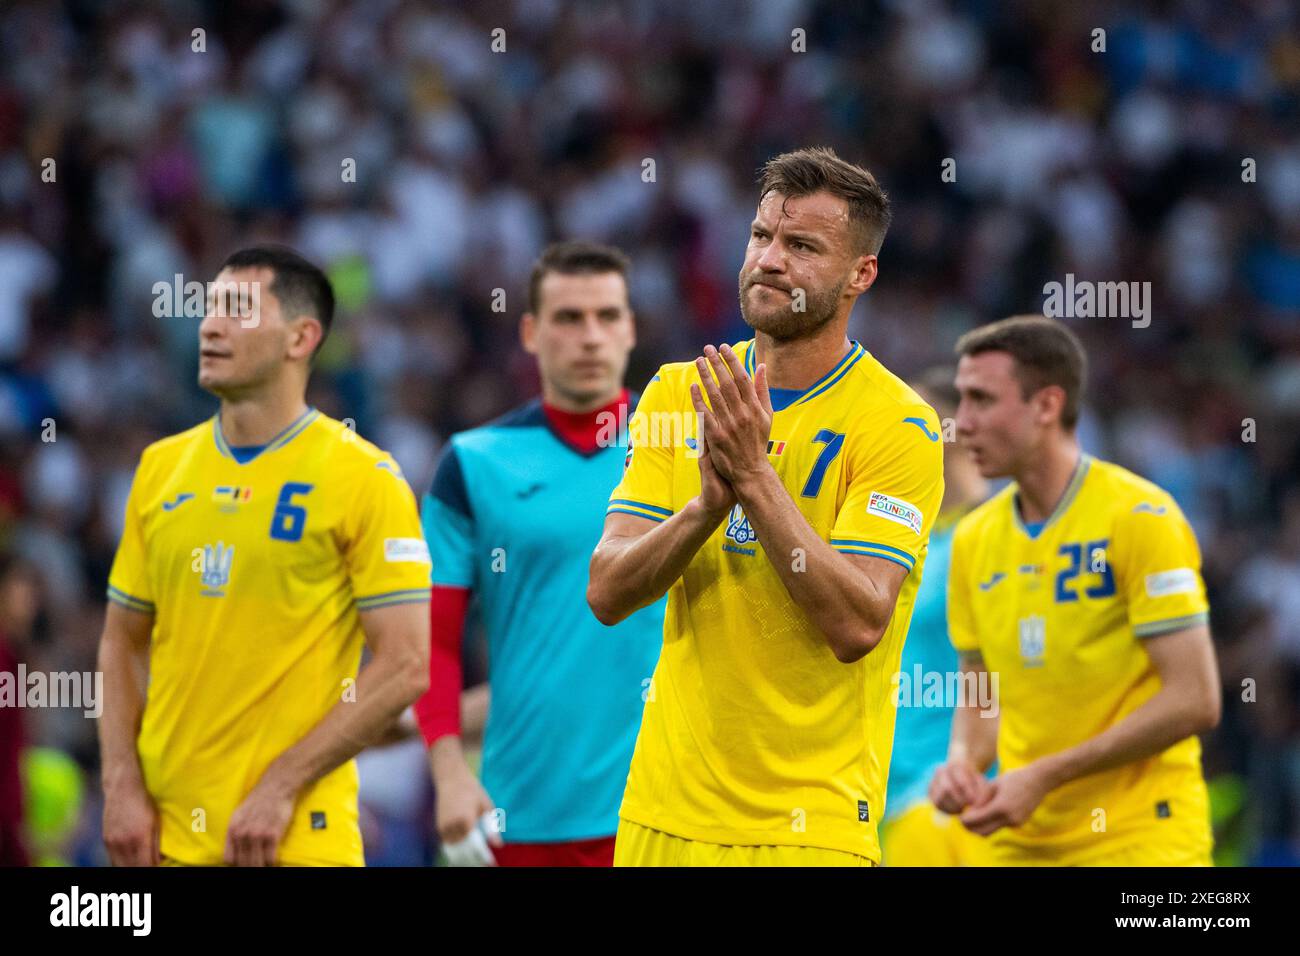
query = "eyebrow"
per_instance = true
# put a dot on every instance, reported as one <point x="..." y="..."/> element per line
<point x="807" y="237"/>
<point x="599" y="310"/>
<point x="791" y="233"/>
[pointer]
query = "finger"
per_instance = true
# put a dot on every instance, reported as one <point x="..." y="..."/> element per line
<point x="983" y="793"/>
<point x="948" y="799"/>
<point x="954" y="784"/>
<point x="708" y="420"/>
<point x="229" y="857"/>
<point x="249" y="855"/>
<point x="977" y="817"/>
<point x="726" y="380"/>
<point x="939" y="792"/>
<point x="978" y="787"/>
<point x="744" y="386"/>
<point x="697" y="400"/>
<point x="270" y="846"/>
<point x="760" y="389"/>
<point x="256" y="856"/>
<point x="710" y="384"/>
<point x="987" y="827"/>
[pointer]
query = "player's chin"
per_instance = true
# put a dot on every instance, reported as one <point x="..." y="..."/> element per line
<point x="217" y="384"/>
<point x="589" y="383"/>
<point x="780" y="323"/>
<point x="990" y="467"/>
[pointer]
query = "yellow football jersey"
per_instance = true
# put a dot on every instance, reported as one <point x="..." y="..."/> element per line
<point x="753" y="733"/>
<point x="255" y="574"/>
<point x="1059" y="617"/>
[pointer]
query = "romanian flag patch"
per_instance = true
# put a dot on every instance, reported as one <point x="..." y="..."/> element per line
<point x="231" y="493"/>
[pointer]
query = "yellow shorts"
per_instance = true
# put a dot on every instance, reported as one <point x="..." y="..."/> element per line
<point x="1160" y="850"/>
<point x="636" y="845"/>
<point x="924" y="836"/>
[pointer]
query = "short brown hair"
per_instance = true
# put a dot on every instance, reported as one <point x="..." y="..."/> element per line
<point x="574" y="258"/>
<point x="1045" y="353"/>
<point x="817" y="169"/>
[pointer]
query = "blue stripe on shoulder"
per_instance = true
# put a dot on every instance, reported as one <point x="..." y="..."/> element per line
<point x="449" y="483"/>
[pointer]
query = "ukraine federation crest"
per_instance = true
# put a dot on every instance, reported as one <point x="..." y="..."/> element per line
<point x="1033" y="640"/>
<point x="215" y="575"/>
<point x="738" y="527"/>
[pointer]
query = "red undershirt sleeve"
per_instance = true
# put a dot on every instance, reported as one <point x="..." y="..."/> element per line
<point x="438" y="710"/>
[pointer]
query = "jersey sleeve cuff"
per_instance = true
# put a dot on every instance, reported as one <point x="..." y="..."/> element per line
<point x="130" y="601"/>
<point x="390" y="598"/>
<point x="874" y="549"/>
<point x="641" y="509"/>
<point x="1171" y="624"/>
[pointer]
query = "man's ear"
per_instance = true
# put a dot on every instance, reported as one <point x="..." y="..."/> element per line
<point x="864" y="274"/>
<point x="1050" y="400"/>
<point x="528" y="332"/>
<point x="308" y="334"/>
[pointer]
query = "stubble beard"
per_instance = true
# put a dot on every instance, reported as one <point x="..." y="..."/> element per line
<point x="785" y="324"/>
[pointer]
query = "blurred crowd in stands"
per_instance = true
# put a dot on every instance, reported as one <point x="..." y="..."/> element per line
<point x="133" y="149"/>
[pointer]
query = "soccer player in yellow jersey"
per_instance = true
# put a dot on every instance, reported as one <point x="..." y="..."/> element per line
<point x="781" y="493"/>
<point x="261" y="549"/>
<point x="1079" y="587"/>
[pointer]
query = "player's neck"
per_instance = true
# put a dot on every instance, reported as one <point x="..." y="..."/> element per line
<point x="1042" y="482"/>
<point x="800" y="363"/>
<point x="579" y="406"/>
<point x="257" y="420"/>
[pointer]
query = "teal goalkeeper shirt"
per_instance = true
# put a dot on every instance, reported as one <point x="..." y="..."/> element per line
<point x="513" y="516"/>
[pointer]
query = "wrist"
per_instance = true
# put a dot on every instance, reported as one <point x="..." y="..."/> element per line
<point x="447" y="759"/>
<point x="279" y="781"/>
<point x="1049" y="772"/>
<point x="708" y="517"/>
<point x="124" y="775"/>
<point x="748" y="484"/>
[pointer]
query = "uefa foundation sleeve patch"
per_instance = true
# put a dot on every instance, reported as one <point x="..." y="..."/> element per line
<point x="406" y="549"/>
<point x="895" y="509"/>
<point x="1177" y="581"/>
